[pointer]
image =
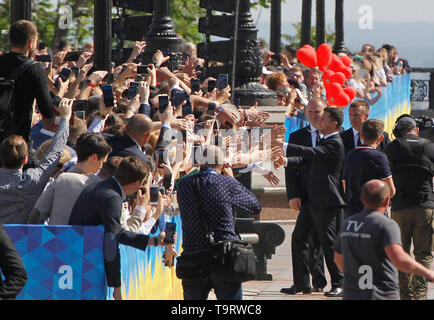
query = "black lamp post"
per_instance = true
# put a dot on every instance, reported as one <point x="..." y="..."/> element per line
<point x="275" y="29"/>
<point x="103" y="34"/>
<point x="21" y="10"/>
<point x="339" y="21"/>
<point x="320" y="22"/>
<point x="306" y="17"/>
<point x="162" y="36"/>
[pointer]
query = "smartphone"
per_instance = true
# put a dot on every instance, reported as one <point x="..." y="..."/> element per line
<point x="75" y="70"/>
<point x="80" y="114"/>
<point x="211" y="108"/>
<point x="222" y="81"/>
<point x="44" y="58"/>
<point x="170" y="232"/>
<point x="160" y="158"/>
<point x="134" y="84"/>
<point x="276" y="59"/>
<point x="211" y="85"/>
<point x="108" y="78"/>
<point x="65" y="73"/>
<point x="107" y="90"/>
<point x="79" y="105"/>
<point x="178" y="97"/>
<point x="197" y="153"/>
<point x="195" y="85"/>
<point x="163" y="102"/>
<point x="187" y="109"/>
<point x="142" y="69"/>
<point x="132" y="92"/>
<point x="72" y="56"/>
<point x="153" y="195"/>
<point x="167" y="181"/>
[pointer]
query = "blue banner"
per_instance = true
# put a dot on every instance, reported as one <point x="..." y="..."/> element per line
<point x="62" y="262"/>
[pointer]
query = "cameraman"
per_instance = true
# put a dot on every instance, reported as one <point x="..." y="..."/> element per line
<point x="411" y="160"/>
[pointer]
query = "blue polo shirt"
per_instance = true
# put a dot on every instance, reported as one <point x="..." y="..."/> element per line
<point x="362" y="164"/>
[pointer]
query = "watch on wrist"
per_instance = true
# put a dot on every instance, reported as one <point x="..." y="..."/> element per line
<point x="220" y="109"/>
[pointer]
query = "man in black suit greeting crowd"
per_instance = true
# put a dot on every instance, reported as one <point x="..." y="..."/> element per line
<point x="358" y="113"/>
<point x="306" y="249"/>
<point x="324" y="186"/>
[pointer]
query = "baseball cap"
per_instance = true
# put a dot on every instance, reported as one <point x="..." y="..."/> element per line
<point x="406" y="123"/>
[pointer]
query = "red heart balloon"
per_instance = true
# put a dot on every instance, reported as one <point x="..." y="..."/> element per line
<point x="326" y="77"/>
<point x="324" y="56"/>
<point x="346" y="71"/>
<point x="337" y="96"/>
<point x="346" y="60"/>
<point x="337" y="65"/>
<point x="351" y="92"/>
<point x="342" y="99"/>
<point x="338" y="77"/>
<point x="307" y="56"/>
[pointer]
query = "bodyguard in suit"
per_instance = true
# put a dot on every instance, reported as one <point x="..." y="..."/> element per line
<point x="306" y="249"/>
<point x="324" y="186"/>
<point x="359" y="113"/>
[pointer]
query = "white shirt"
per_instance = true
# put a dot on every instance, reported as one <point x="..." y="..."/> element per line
<point x="331" y="134"/>
<point x="356" y="135"/>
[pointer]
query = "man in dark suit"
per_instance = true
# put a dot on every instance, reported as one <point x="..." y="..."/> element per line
<point x="324" y="187"/>
<point x="101" y="204"/>
<point x="307" y="255"/>
<point x="135" y="136"/>
<point x="359" y="113"/>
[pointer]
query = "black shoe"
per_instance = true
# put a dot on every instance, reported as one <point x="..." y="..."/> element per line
<point x="295" y="290"/>
<point x="335" y="292"/>
<point x="317" y="289"/>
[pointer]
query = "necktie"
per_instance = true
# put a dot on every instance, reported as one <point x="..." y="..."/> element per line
<point x="317" y="137"/>
<point x="359" y="142"/>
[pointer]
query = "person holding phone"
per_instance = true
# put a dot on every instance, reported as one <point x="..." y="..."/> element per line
<point x="23" y="36"/>
<point x="101" y="204"/>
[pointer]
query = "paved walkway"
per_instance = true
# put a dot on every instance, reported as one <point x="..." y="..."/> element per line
<point x="280" y="267"/>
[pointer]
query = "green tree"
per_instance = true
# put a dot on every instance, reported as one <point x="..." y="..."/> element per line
<point x="185" y="15"/>
<point x="294" y="39"/>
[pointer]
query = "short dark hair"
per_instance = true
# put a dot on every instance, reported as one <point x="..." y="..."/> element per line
<point x="13" y="151"/>
<point x="292" y="50"/>
<point x="373" y="195"/>
<point x="91" y="143"/>
<point x="130" y="170"/>
<point x="335" y="114"/>
<point x="110" y="166"/>
<point x="360" y="103"/>
<point x="21" y="32"/>
<point x="372" y="129"/>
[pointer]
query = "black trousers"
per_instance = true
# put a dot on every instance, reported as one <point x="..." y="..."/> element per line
<point x="327" y="224"/>
<point x="307" y="253"/>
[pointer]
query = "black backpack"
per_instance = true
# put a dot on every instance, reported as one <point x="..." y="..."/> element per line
<point x="7" y="103"/>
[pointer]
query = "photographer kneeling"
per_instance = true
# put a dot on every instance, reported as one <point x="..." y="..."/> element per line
<point x="206" y="203"/>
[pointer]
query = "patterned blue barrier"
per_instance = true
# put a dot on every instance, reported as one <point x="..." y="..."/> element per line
<point x="62" y="262"/>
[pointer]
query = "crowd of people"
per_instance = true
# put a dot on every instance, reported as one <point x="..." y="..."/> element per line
<point x="119" y="149"/>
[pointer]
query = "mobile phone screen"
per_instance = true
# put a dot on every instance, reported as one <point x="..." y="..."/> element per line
<point x="80" y="114"/>
<point x="107" y="91"/>
<point x="79" y="105"/>
<point x="153" y="195"/>
<point x="197" y="153"/>
<point x="195" y="85"/>
<point x="170" y="232"/>
<point x="211" y="108"/>
<point x="163" y="102"/>
<point x="161" y="158"/>
<point x="44" y="58"/>
<point x="72" y="56"/>
<point x="132" y="92"/>
<point x="186" y="109"/>
<point x="222" y="81"/>
<point x="142" y="69"/>
<point x="211" y="85"/>
<point x="167" y="181"/>
<point x="65" y="73"/>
